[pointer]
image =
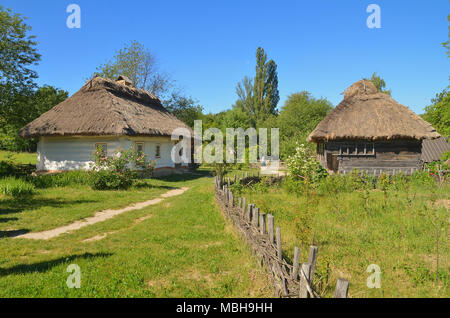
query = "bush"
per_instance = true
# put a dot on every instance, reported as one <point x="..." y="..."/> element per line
<point x="115" y="172"/>
<point x="6" y="169"/>
<point x="16" y="188"/>
<point x="303" y="165"/>
<point x="111" y="180"/>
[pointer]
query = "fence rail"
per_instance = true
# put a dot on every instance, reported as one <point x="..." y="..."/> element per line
<point x="260" y="231"/>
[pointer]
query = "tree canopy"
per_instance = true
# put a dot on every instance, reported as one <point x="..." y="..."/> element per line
<point x="438" y="113"/>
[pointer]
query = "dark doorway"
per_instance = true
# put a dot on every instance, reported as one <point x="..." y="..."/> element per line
<point x="332" y="162"/>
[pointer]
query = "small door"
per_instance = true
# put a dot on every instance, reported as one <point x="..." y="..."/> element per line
<point x="332" y="162"/>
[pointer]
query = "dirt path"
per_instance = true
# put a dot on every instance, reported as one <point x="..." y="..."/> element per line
<point x="99" y="217"/>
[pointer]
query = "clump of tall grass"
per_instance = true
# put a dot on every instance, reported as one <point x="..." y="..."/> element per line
<point x="62" y="179"/>
<point x="16" y="187"/>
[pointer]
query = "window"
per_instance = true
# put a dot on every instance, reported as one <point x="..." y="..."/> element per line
<point x="102" y="147"/>
<point x="367" y="149"/>
<point x="158" y="151"/>
<point x="139" y="147"/>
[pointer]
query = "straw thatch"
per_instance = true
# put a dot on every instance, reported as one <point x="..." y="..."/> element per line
<point x="366" y="114"/>
<point x="107" y="108"/>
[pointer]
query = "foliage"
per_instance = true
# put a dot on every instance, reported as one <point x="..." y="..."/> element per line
<point x="258" y="97"/>
<point x="140" y="66"/>
<point x="24" y="107"/>
<point x="380" y="84"/>
<point x="303" y="165"/>
<point x="63" y="179"/>
<point x="16" y="187"/>
<point x="438" y="113"/>
<point x="298" y="117"/>
<point x="116" y="171"/>
<point x="18" y="51"/>
<point x="184" y="108"/>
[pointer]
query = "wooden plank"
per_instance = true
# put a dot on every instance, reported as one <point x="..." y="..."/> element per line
<point x="312" y="259"/>
<point x="279" y="250"/>
<point x="296" y="264"/>
<point x="262" y="223"/>
<point x="304" y="281"/>
<point x="255" y="217"/>
<point x="270" y="228"/>
<point x="250" y="211"/>
<point x="244" y="206"/>
<point x="341" y="288"/>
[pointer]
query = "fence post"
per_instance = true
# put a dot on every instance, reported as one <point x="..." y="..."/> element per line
<point x="341" y="288"/>
<point x="250" y="211"/>
<point x="312" y="259"/>
<point x="239" y="202"/>
<point x="244" y="205"/>
<point x="306" y="269"/>
<point x="279" y="250"/>
<point x="231" y="199"/>
<point x="235" y="179"/>
<point x="270" y="227"/>
<point x="262" y="223"/>
<point x="296" y="263"/>
<point x="255" y="217"/>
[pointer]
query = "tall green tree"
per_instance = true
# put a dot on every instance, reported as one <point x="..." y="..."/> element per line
<point x="258" y="97"/>
<point x="17" y="51"/>
<point x="380" y="84"/>
<point x="140" y="66"/>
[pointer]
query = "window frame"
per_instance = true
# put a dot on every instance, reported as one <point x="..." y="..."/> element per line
<point x="158" y="151"/>
<point x="137" y="144"/>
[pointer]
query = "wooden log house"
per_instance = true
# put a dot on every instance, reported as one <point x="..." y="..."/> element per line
<point x="369" y="131"/>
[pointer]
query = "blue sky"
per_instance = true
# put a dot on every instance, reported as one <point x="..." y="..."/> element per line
<point x="320" y="46"/>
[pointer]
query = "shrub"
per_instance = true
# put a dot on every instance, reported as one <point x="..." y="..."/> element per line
<point x="303" y="165"/>
<point x="115" y="172"/>
<point x="16" y="188"/>
<point x="111" y="180"/>
<point x="6" y="169"/>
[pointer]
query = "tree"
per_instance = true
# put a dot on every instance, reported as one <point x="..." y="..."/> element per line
<point x="298" y="117"/>
<point x="380" y="84"/>
<point x="24" y="108"/>
<point x="17" y="51"/>
<point x="438" y="113"/>
<point x="140" y="66"/>
<point x="259" y="97"/>
<point x="184" y="108"/>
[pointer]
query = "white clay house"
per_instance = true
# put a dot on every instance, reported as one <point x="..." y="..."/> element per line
<point x="109" y="113"/>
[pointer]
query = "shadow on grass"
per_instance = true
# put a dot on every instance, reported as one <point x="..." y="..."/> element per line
<point x="4" y="220"/>
<point x="48" y="265"/>
<point x="185" y="176"/>
<point x="13" y="233"/>
<point x="144" y="185"/>
<point x="9" y="206"/>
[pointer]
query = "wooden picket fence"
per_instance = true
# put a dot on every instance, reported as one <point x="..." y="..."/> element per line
<point x="290" y="280"/>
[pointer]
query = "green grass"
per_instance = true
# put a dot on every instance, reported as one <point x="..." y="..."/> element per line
<point x="19" y="157"/>
<point x="181" y="247"/>
<point x="400" y="237"/>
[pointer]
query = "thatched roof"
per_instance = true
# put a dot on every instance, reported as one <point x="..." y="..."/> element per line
<point x="366" y="114"/>
<point x="108" y="108"/>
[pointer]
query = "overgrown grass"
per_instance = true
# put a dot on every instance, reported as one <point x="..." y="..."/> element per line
<point x="182" y="247"/>
<point x="403" y="228"/>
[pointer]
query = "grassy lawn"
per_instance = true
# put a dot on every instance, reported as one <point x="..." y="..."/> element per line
<point x="399" y="237"/>
<point x="181" y="247"/>
<point x="19" y="157"/>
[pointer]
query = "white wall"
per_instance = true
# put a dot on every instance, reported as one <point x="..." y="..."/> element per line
<point x="73" y="153"/>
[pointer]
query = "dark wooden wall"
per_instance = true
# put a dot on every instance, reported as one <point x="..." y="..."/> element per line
<point x="372" y="157"/>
